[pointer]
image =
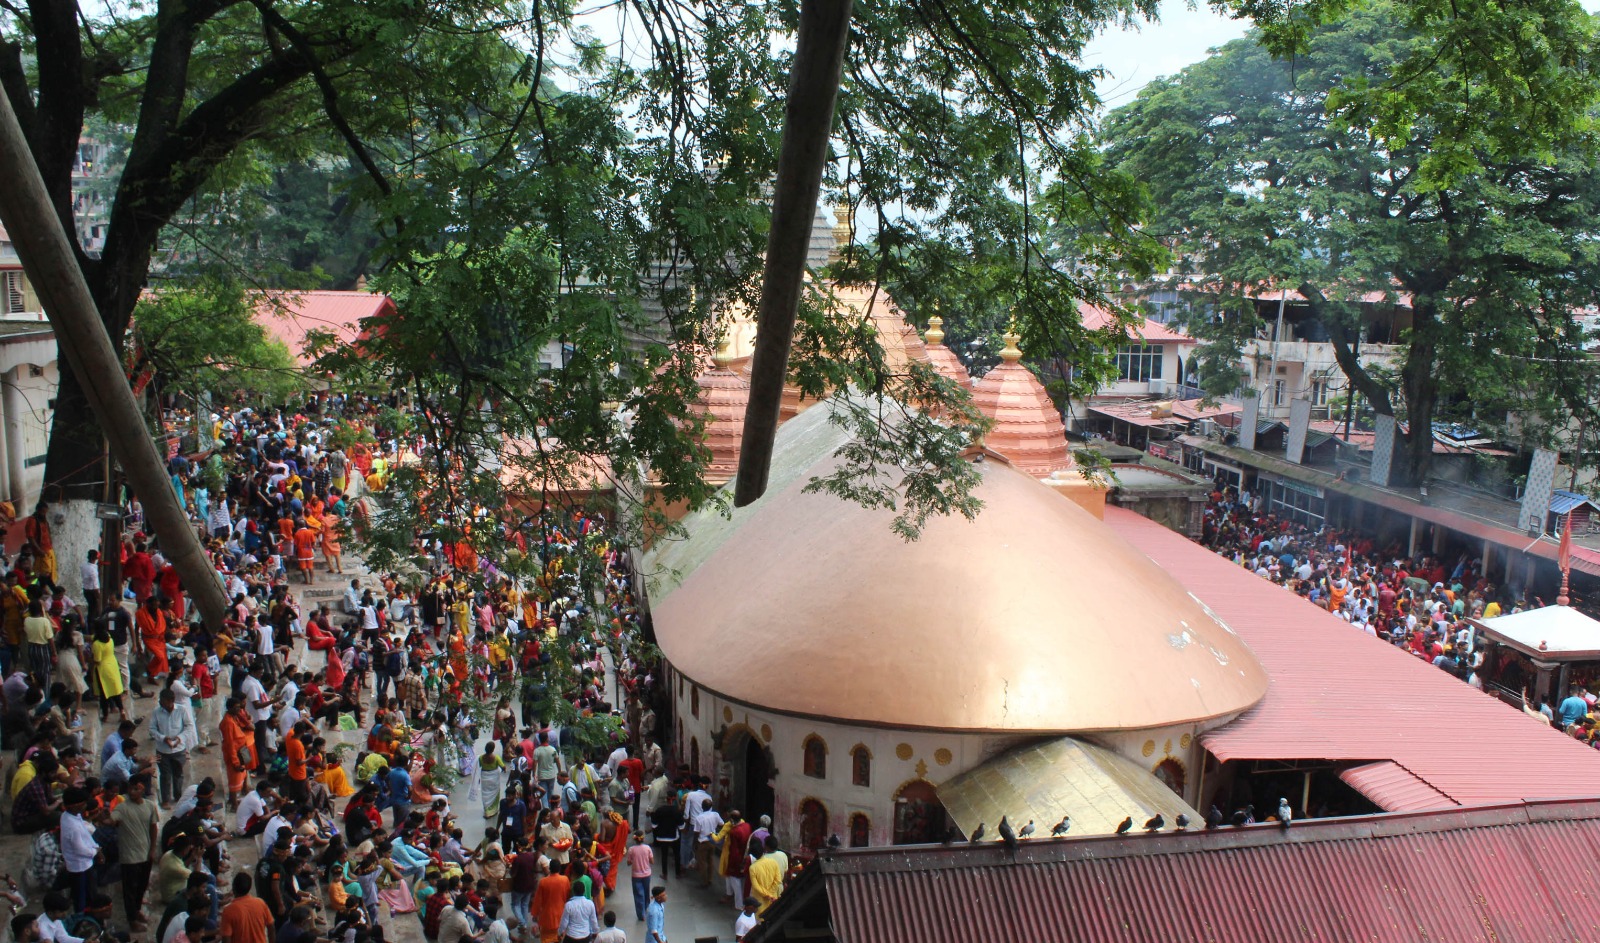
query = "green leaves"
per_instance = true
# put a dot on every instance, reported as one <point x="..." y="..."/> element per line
<point x="1436" y="153"/>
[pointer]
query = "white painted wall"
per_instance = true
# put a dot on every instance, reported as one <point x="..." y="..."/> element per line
<point x="898" y="756"/>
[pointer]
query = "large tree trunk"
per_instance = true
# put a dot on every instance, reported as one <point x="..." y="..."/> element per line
<point x="807" y="126"/>
<point x="49" y="259"/>
<point x="1421" y="390"/>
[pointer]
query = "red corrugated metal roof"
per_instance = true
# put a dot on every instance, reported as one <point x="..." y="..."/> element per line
<point x="1395" y="788"/>
<point x="290" y="316"/>
<point x="1339" y="694"/>
<point x="1458" y="876"/>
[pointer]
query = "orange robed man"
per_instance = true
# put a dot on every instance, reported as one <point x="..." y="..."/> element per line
<point x="305" y="550"/>
<point x="238" y="747"/>
<point x="152" y="625"/>
<point x="549" y="900"/>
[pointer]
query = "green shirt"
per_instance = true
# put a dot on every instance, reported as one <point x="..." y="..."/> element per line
<point x="134" y="820"/>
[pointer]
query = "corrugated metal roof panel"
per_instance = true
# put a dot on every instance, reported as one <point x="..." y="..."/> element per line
<point x="291" y="316"/>
<point x="1463" y="875"/>
<point x="1394" y="788"/>
<point x="1339" y="694"/>
<point x="1563" y="501"/>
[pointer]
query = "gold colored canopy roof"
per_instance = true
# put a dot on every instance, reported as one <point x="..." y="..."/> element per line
<point x="1042" y="782"/>
<point x="1034" y="617"/>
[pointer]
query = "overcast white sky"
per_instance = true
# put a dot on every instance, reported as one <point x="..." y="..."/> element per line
<point x="1183" y="35"/>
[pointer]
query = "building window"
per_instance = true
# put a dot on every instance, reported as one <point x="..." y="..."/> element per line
<point x="814" y="761"/>
<point x="860" y="766"/>
<point x="1139" y="362"/>
<point x="694" y="754"/>
<point x="694" y="700"/>
<point x="1280" y="390"/>
<point x="813" y="825"/>
<point x="1319" y="391"/>
<point x="860" y="830"/>
<point x="11" y="293"/>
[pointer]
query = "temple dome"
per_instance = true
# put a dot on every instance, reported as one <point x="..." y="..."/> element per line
<point x="1027" y="428"/>
<point x="943" y="358"/>
<point x="1033" y="617"/>
<point x="724" y="395"/>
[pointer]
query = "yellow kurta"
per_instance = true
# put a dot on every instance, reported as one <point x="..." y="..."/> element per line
<point x="766" y="880"/>
<point x="107" y="672"/>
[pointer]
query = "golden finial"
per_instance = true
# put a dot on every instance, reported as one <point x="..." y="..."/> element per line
<point x="1011" y="353"/>
<point x="724" y="355"/>
<point x="935" y="333"/>
<point x="844" y="224"/>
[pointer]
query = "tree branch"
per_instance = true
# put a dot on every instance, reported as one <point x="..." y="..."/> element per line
<point x="58" y="121"/>
<point x="1346" y="352"/>
<point x="154" y="188"/>
<point x="330" y="93"/>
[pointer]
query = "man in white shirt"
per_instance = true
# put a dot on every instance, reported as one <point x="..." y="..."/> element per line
<point x="171" y="729"/>
<point x="89" y="572"/>
<point x="276" y="824"/>
<point x="746" y="920"/>
<point x="259" y="705"/>
<point x="252" y="805"/>
<point x="705" y="823"/>
<point x="617" y="756"/>
<point x="49" y="925"/>
<point x="612" y="933"/>
<point x="78" y="847"/>
<point x="579" y="920"/>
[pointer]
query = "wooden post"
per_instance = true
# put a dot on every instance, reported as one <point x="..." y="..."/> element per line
<point x="824" y="36"/>
<point x="48" y="259"/>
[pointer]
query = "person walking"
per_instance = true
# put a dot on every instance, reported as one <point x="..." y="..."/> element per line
<point x="641" y="860"/>
<point x="579" y="920"/>
<point x="137" y="819"/>
<point x="655" y="916"/>
<point x="172" y="729"/>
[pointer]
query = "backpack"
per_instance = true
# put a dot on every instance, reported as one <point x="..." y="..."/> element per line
<point x="394" y="663"/>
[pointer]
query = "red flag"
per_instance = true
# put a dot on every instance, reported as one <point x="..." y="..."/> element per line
<point x="1564" y="555"/>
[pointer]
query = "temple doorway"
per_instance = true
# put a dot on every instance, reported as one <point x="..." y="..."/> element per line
<point x="752" y="777"/>
<point x="919" y="817"/>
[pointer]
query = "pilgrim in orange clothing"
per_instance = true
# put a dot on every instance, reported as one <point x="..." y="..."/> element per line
<point x="617" y="849"/>
<point x="331" y="551"/>
<point x="458" y="654"/>
<point x="305" y="550"/>
<point x="549" y="900"/>
<point x="152" y="625"/>
<point x="238" y="744"/>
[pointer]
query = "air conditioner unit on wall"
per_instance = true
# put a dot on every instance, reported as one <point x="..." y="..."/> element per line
<point x="1158" y="387"/>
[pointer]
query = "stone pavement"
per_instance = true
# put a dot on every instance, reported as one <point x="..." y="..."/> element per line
<point x="693" y="914"/>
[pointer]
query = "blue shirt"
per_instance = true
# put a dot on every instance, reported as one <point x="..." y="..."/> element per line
<point x="112" y="747"/>
<point x="1571" y="709"/>
<point x="399" y="786"/>
<point x="655" y="922"/>
<point x="118" y="769"/>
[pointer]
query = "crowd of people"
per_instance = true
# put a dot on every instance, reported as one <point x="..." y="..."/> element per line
<point x="1419" y="604"/>
<point x="341" y="729"/>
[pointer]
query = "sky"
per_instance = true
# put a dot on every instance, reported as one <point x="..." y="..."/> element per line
<point x="1183" y="35"/>
<point x="1135" y="56"/>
